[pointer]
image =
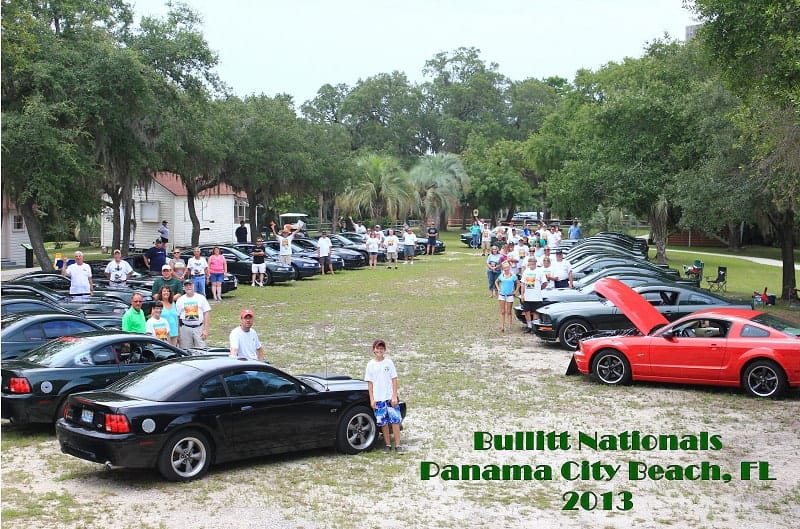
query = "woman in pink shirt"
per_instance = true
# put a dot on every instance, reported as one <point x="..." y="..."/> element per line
<point x="217" y="268"/>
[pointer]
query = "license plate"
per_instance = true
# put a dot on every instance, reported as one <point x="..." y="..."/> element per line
<point x="87" y="416"/>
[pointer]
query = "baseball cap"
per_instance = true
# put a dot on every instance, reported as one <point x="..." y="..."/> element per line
<point x="117" y="251"/>
<point x="166" y="267"/>
<point x="378" y="343"/>
<point x="559" y="251"/>
<point x="187" y="282"/>
<point x="245" y="312"/>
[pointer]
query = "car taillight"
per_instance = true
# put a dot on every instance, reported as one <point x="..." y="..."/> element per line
<point x="117" y="423"/>
<point x="19" y="385"/>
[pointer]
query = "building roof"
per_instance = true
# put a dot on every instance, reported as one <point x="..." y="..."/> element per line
<point x="172" y="183"/>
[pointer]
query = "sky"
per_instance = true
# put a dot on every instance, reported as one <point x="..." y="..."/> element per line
<point x="296" y="46"/>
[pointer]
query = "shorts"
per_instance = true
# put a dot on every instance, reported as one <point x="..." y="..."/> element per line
<point x="561" y="283"/>
<point x="217" y="278"/>
<point x="285" y="259"/>
<point x="373" y="253"/>
<point x="385" y="413"/>
<point x="408" y="250"/>
<point x="531" y="306"/>
<point x="485" y="243"/>
<point x="509" y="298"/>
<point x="258" y="268"/>
<point x="391" y="256"/>
<point x="324" y="261"/>
<point x="431" y="241"/>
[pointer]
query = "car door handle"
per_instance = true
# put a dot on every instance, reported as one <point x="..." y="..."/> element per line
<point x="246" y="408"/>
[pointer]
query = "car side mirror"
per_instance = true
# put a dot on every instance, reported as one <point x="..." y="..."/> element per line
<point x="668" y="334"/>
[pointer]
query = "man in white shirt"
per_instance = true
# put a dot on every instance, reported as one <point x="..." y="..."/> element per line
<point x="409" y="245"/>
<point x="554" y="237"/>
<point x="118" y="271"/>
<point x="193" y="313"/>
<point x="533" y="280"/>
<point x="392" y="245"/>
<point x="198" y="271"/>
<point x="562" y="269"/>
<point x="285" y="239"/>
<point x="244" y="340"/>
<point x="80" y="278"/>
<point x="324" y="245"/>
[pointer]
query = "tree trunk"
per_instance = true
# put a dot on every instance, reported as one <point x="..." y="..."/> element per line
<point x="253" y="216"/>
<point x="83" y="234"/>
<point x="193" y="218"/>
<point x="787" y="254"/>
<point x="734" y="240"/>
<point x="34" y="228"/>
<point x="658" y="227"/>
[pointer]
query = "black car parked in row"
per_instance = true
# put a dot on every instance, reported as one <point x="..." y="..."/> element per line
<point x="184" y="415"/>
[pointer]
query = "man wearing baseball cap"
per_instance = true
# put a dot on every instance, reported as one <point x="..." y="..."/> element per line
<point x="194" y="315"/>
<point x="244" y="339"/>
<point x="167" y="279"/>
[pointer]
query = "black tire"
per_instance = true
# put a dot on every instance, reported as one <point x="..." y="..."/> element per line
<point x="186" y="456"/>
<point x="765" y="379"/>
<point x="570" y="331"/>
<point x="295" y="273"/>
<point x="357" y="431"/>
<point x="611" y="367"/>
<point x="267" y="277"/>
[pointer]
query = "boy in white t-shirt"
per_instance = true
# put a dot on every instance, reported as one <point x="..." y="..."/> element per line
<point x="381" y="377"/>
<point x="156" y="325"/>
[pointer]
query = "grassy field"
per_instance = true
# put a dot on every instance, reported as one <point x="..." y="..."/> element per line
<point x="459" y="376"/>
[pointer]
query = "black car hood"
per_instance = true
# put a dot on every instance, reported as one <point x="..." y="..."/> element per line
<point x="336" y="382"/>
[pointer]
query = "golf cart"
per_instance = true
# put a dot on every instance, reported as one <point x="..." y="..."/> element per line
<point x="294" y="221"/>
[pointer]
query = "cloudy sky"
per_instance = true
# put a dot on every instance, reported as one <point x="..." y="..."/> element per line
<point x="296" y="46"/>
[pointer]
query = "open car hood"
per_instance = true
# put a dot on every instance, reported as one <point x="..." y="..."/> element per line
<point x="637" y="309"/>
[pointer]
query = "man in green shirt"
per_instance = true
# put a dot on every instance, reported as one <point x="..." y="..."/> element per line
<point x="167" y="279"/>
<point x="133" y="319"/>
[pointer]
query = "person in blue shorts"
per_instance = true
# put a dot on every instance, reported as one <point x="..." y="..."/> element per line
<point x="381" y="377"/>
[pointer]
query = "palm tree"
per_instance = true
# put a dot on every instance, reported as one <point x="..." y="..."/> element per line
<point x="440" y="181"/>
<point x="382" y="188"/>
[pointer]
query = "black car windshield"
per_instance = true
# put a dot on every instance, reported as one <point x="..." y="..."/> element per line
<point x="58" y="352"/>
<point x="157" y="382"/>
<point x="783" y="326"/>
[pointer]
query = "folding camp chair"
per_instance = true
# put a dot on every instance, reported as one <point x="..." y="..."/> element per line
<point x="720" y="283"/>
<point x="695" y="270"/>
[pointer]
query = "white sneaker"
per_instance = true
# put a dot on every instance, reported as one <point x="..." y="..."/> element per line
<point x="253" y="283"/>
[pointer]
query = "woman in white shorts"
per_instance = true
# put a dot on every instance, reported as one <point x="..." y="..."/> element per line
<point x="506" y="285"/>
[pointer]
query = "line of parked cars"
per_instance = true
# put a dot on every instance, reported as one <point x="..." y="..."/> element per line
<point x="569" y="314"/>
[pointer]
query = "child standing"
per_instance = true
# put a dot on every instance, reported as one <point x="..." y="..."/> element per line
<point x="156" y="325"/>
<point x="381" y="377"/>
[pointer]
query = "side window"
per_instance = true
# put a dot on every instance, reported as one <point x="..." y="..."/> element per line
<point x="104" y="356"/>
<point x="54" y="329"/>
<point x="697" y="299"/>
<point x="244" y="384"/>
<point x="749" y="331"/>
<point x="31" y="333"/>
<point x="276" y="384"/>
<point x="212" y="388"/>
<point x="162" y="352"/>
<point x="654" y="298"/>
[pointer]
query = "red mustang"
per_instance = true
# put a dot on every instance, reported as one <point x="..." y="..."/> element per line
<point x="720" y="347"/>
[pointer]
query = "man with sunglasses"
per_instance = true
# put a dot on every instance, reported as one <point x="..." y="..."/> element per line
<point x="118" y="271"/>
<point x="133" y="320"/>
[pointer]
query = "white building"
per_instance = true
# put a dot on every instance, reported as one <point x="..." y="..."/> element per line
<point x="219" y="210"/>
<point x="14" y="234"/>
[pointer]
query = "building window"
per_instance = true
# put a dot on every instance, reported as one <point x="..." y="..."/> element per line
<point x="241" y="211"/>
<point x="149" y="212"/>
<point x="19" y="224"/>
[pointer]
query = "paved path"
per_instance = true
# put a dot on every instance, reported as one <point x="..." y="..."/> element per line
<point x="759" y="260"/>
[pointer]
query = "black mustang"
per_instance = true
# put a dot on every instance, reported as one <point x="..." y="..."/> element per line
<point x="36" y="385"/>
<point x="182" y="415"/>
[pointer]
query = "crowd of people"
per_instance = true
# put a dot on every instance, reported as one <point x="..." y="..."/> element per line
<point x="519" y="264"/>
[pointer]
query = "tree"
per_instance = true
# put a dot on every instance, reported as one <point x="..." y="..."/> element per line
<point x="757" y="44"/>
<point x="440" y="181"/>
<point x="380" y="188"/>
<point x="468" y="96"/>
<point x="49" y="50"/>
<point x="268" y="155"/>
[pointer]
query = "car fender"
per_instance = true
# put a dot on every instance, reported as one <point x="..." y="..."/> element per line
<point x="183" y="422"/>
<point x="754" y="354"/>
